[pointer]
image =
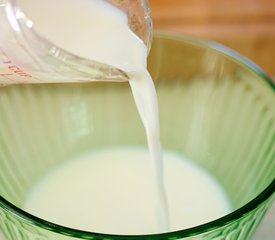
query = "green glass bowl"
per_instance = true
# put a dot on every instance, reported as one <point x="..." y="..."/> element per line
<point x="215" y="107"/>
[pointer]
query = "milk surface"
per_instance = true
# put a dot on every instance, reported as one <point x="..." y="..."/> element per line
<point x="113" y="191"/>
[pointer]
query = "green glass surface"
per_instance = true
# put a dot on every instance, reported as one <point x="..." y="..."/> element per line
<point x="215" y="107"/>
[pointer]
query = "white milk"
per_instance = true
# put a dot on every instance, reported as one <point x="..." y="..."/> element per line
<point x="99" y="31"/>
<point x="113" y="191"/>
<point x="93" y="29"/>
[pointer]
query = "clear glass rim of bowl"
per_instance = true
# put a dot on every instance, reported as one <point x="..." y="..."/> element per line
<point x="253" y="204"/>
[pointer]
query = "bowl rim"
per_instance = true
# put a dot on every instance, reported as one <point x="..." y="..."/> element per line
<point x="200" y="229"/>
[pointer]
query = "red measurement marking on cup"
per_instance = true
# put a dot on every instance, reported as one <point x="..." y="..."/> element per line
<point x="15" y="70"/>
<point x="5" y="74"/>
<point x="19" y="71"/>
<point x="12" y="68"/>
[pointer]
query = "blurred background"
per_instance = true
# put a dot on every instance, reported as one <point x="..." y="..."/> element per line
<point x="247" y="26"/>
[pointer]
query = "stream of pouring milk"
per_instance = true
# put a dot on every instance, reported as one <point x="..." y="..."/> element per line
<point x="96" y="30"/>
<point x="99" y="31"/>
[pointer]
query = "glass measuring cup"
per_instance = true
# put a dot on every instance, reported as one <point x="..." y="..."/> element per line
<point x="27" y="57"/>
